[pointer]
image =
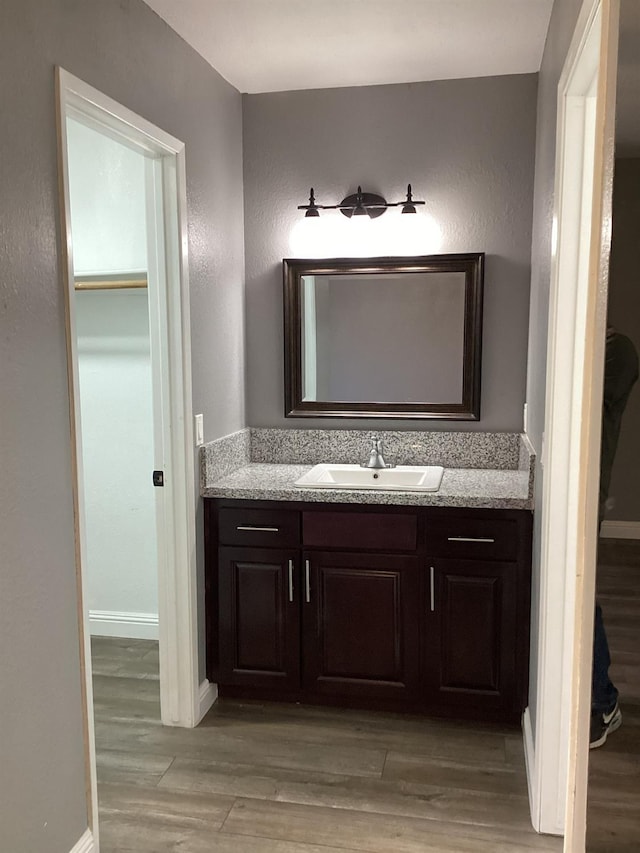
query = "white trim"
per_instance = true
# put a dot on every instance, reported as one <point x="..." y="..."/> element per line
<point x="620" y="530"/>
<point x="530" y="766"/>
<point x="128" y="127"/>
<point x="563" y="406"/>
<point x="91" y="782"/>
<point x="116" y="623"/>
<point x="570" y="455"/>
<point x="181" y="591"/>
<point x="86" y="844"/>
<point x="586" y="443"/>
<point x="208" y="695"/>
<point x="177" y="583"/>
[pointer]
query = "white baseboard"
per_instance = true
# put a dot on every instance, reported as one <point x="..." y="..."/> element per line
<point x="114" y="623"/>
<point x="620" y="530"/>
<point x="208" y="695"/>
<point x="530" y="767"/>
<point x="85" y="844"/>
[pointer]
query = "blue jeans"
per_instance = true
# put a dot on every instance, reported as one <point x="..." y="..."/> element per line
<point x="604" y="694"/>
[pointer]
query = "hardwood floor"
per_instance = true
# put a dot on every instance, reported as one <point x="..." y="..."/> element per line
<point x="613" y="821"/>
<point x="266" y="778"/>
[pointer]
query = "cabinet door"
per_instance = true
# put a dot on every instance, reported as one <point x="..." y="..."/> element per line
<point x="360" y="624"/>
<point x="469" y="652"/>
<point x="259" y="617"/>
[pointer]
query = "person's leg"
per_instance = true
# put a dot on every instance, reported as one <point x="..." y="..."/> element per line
<point x="604" y="694"/>
<point x="605" y="713"/>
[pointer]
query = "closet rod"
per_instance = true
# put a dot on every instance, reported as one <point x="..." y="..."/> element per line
<point x="108" y="283"/>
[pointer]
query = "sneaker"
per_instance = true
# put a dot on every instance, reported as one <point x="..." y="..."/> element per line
<point x="602" y="725"/>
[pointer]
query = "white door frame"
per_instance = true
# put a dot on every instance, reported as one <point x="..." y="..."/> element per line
<point x="182" y="698"/>
<point x="573" y="410"/>
<point x="586" y="443"/>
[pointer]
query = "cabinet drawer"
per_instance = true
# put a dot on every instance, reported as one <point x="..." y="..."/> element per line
<point x="371" y="531"/>
<point x="265" y="528"/>
<point x="473" y="538"/>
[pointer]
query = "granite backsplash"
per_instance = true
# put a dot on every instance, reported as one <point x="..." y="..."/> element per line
<point x="486" y="450"/>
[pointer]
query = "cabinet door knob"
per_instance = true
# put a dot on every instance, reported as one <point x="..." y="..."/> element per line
<point x="307" y="581"/>
<point x="432" y="587"/>
<point x="290" y="580"/>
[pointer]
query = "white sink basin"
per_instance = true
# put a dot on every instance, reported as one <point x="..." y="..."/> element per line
<point x="408" y="478"/>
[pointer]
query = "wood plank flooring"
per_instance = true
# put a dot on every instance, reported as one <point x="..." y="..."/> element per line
<point x="613" y="819"/>
<point x="267" y="778"/>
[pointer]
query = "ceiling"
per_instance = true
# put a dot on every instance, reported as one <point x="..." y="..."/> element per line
<point x="280" y="45"/>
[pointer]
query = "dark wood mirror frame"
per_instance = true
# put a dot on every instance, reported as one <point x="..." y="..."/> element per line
<point x="472" y="265"/>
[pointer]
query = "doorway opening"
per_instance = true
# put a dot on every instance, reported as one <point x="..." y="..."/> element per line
<point x="111" y="280"/>
<point x="128" y="356"/>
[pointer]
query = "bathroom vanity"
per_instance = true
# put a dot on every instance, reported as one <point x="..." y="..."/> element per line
<point x="408" y="607"/>
<point x="386" y="600"/>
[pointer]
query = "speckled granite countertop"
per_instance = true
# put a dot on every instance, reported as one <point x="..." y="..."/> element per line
<point x="464" y="487"/>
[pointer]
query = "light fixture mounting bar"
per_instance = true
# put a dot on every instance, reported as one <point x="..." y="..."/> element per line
<point x="360" y="203"/>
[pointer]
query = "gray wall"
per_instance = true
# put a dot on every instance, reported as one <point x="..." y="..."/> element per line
<point x="467" y="147"/>
<point x="624" y="314"/>
<point x="125" y="50"/>
<point x="561" y="27"/>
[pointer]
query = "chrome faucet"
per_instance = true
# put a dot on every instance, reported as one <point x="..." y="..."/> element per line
<point x="376" y="459"/>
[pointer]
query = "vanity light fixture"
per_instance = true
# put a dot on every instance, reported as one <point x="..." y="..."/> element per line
<point x="361" y="204"/>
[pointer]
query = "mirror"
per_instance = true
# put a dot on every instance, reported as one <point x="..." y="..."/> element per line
<point x="383" y="337"/>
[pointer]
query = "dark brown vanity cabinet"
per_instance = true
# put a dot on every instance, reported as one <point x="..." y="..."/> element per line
<point x="469" y="652"/>
<point x="360" y="625"/>
<point x="477" y="603"/>
<point x="424" y="608"/>
<point x="258" y="618"/>
<point x="253" y="611"/>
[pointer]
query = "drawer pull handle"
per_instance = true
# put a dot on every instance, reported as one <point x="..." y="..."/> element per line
<point x="290" y="580"/>
<point x="432" y="586"/>
<point x="254" y="528"/>
<point x="470" y="539"/>
<point x="307" y="581"/>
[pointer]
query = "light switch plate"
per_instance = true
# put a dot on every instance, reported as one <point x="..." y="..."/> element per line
<point x="199" y="424"/>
